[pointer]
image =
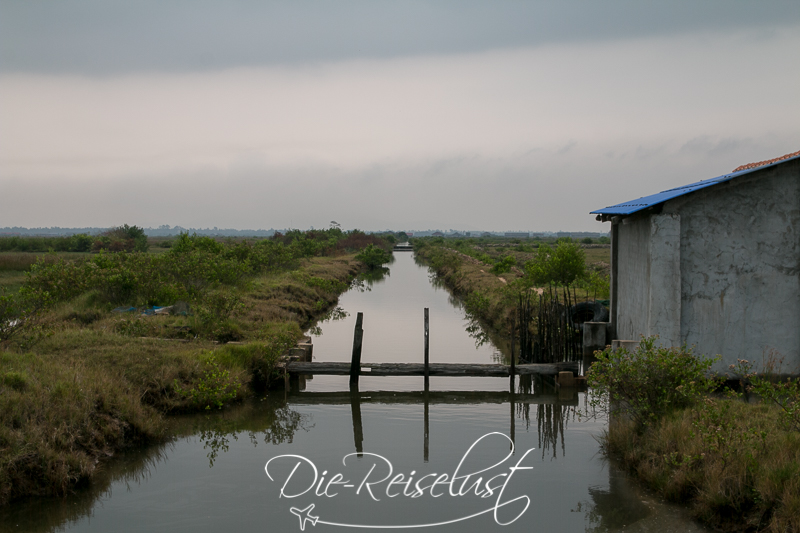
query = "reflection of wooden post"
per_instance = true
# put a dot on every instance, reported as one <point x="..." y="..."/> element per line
<point x="512" y="369"/>
<point x="355" y="411"/>
<point x="512" y="428"/>
<point x="427" y="431"/>
<point x="427" y="386"/>
<point x="355" y="361"/>
<point x="427" y="349"/>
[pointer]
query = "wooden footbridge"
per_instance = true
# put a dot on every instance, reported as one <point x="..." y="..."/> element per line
<point x="302" y="365"/>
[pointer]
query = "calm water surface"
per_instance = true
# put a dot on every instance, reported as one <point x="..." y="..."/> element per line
<point x="379" y="457"/>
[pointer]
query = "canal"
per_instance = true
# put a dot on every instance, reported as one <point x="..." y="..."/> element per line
<point x="465" y="456"/>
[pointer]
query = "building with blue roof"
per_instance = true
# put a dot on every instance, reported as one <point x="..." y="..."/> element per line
<point x="714" y="264"/>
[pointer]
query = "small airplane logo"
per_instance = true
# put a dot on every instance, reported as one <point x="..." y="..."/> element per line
<point x="305" y="515"/>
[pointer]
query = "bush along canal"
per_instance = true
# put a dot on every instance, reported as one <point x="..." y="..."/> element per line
<point x="467" y="455"/>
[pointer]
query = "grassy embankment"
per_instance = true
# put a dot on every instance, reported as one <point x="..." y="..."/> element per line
<point x="78" y="381"/>
<point x="735" y="464"/>
<point x="480" y="273"/>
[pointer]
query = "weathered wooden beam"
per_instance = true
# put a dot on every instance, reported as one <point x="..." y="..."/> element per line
<point x="434" y="369"/>
<point x="420" y="397"/>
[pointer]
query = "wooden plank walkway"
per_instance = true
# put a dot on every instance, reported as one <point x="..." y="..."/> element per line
<point x="434" y="369"/>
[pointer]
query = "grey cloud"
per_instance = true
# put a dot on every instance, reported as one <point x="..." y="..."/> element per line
<point x="532" y="192"/>
<point x="99" y="37"/>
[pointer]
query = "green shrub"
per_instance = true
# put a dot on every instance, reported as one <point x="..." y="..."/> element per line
<point x="648" y="383"/>
<point x="215" y="387"/>
<point x="374" y="257"/>
<point x="560" y="266"/>
<point x="16" y="380"/>
<point x="19" y="314"/>
<point x="184" y="244"/>
<point x="598" y="286"/>
<point x="260" y="359"/>
<point x="504" y="265"/>
<point x="133" y="327"/>
<point x="326" y="285"/>
<point x="784" y="394"/>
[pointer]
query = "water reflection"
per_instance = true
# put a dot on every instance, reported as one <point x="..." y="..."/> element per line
<point x="276" y="424"/>
<point x="37" y="515"/>
<point x="374" y="276"/>
<point x="337" y="313"/>
<point x="552" y="418"/>
<point x="617" y="506"/>
<point x="238" y="442"/>
<point x="269" y="422"/>
<point x="553" y="411"/>
<point x="475" y="328"/>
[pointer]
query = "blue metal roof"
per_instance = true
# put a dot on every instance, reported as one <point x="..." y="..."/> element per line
<point x="628" y="208"/>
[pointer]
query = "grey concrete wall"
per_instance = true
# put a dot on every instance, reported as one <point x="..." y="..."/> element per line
<point x="664" y="259"/>
<point x="633" y="272"/>
<point x="740" y="267"/>
<point x="648" y="269"/>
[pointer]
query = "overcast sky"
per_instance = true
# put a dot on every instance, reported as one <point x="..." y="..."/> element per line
<point x="494" y="115"/>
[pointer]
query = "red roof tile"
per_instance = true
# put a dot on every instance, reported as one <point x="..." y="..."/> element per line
<point x="762" y="163"/>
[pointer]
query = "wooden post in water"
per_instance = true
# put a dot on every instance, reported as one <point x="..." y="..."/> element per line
<point x="427" y="352"/>
<point x="512" y="369"/>
<point x="355" y="361"/>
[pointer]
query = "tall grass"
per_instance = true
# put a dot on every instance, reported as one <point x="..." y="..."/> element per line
<point x="22" y="261"/>
<point x="741" y="473"/>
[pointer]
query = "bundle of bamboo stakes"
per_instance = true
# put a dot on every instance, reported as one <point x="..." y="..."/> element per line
<point x="546" y="331"/>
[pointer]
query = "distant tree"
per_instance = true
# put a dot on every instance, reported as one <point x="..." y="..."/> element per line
<point x="80" y="242"/>
<point x="587" y="240"/>
<point x="123" y="238"/>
